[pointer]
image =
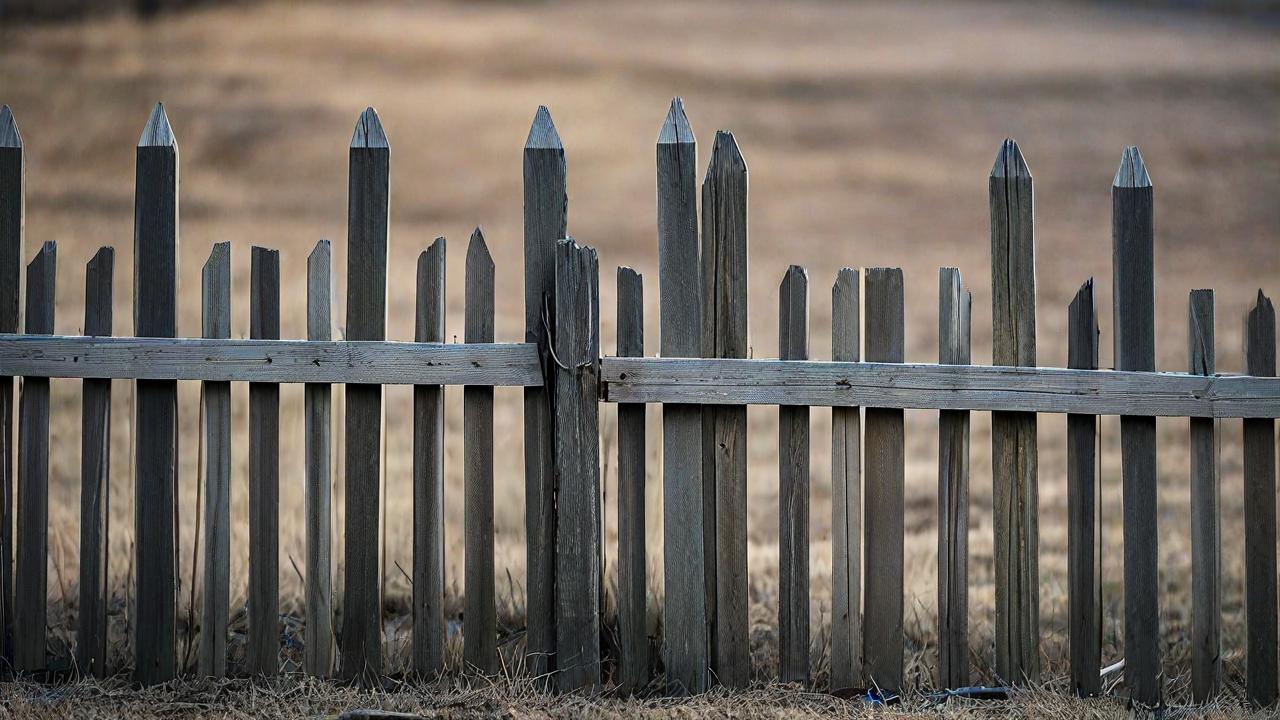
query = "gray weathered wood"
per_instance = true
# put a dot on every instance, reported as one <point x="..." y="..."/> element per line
<point x="846" y="496"/>
<point x="155" y="310"/>
<point x="262" y="652"/>
<point x="546" y="207"/>
<point x="1013" y="435"/>
<point x="937" y="387"/>
<point x="1206" y="534"/>
<point x="480" y="632"/>
<point x="1261" y="611"/>
<point x="1133" y="290"/>
<point x="368" y="207"/>
<point x="95" y="477"/>
<point x="793" y="488"/>
<point x="30" y="610"/>
<point x="12" y="202"/>
<point x="428" y="476"/>
<point x="688" y="514"/>
<point x="954" y="311"/>
<point x="724" y="429"/>
<point x="216" y="291"/>
<point x="633" y="585"/>
<point x="577" y="454"/>
<point x="882" y="648"/>
<point x="317" y="409"/>
<point x="1084" y="550"/>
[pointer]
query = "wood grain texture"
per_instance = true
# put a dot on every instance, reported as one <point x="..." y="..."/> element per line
<point x="688" y="514"/>
<point x="546" y="209"/>
<point x="30" y="609"/>
<point x="1261" y="611"/>
<point x="633" y="586"/>
<point x="846" y="495"/>
<point x="882" y="642"/>
<point x="12" y="213"/>
<point x="480" y="632"/>
<point x="318" y="492"/>
<point x="216" y="299"/>
<point x="1133" y="290"/>
<point x="793" y="489"/>
<point x="1084" y="548"/>
<point x="954" y="312"/>
<point x="577" y="453"/>
<point x="1013" y="436"/>
<point x="262" y="652"/>
<point x="95" y="477"/>
<point x="1206" y="532"/>
<point x="368" y="207"/>
<point x="428" y="475"/>
<point x="155" y="307"/>
<point x="724" y="429"/>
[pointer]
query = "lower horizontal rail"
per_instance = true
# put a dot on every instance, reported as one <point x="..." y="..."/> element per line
<point x="939" y="387"/>
<point x="271" y="361"/>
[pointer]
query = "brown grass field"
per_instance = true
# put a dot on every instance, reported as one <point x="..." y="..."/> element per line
<point x="869" y="131"/>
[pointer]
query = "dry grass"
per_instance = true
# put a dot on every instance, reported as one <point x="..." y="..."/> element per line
<point x="869" y="132"/>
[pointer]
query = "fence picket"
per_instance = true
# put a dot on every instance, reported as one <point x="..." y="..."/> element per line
<point x="428" y="476"/>
<point x="632" y="578"/>
<point x="793" y="488"/>
<point x="216" y="292"/>
<point x="12" y="202"/>
<point x="263" y="648"/>
<point x="155" y="306"/>
<point x="1084" y="550"/>
<point x="954" y="311"/>
<point x="95" y="476"/>
<point x="317" y="408"/>
<point x="1206" y="535"/>
<point x="882" y="635"/>
<point x="30" y="609"/>
<point x="480" y="636"/>
<point x="846" y="496"/>
<point x="1260" y="514"/>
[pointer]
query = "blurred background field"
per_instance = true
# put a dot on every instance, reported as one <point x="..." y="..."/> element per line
<point x="868" y="130"/>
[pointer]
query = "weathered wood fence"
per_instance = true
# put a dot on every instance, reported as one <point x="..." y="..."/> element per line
<point x="704" y="381"/>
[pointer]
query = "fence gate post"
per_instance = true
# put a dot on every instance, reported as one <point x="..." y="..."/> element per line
<point x="11" y="215"/>
<point x="1206" y="536"/>
<point x="1084" y="551"/>
<point x="1260" y="513"/>
<point x="954" y="310"/>
<point x="216" y="292"/>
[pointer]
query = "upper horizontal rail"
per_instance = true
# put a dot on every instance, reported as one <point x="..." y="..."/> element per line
<point x="271" y="361"/>
<point x="939" y="387"/>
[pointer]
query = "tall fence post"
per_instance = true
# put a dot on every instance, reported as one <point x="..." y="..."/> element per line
<point x="954" y="311"/>
<point x="12" y="202"/>
<point x="1206" y="534"/>
<point x="1014" y="456"/>
<point x="1135" y="349"/>
<point x="846" y="495"/>
<point x="216" y="291"/>
<point x="368" y="206"/>
<point x="632" y="576"/>
<point x="262" y="653"/>
<point x="576" y="346"/>
<point x="546" y="206"/>
<point x="1084" y="550"/>
<point x="318" y="500"/>
<point x="1260" y="514"/>
<point x="95" y="476"/>
<point x="155" y="311"/>
<point x="33" y="475"/>
<point x="480" y="633"/>
<point x="428" y="476"/>
<point x="793" y="488"/>
<point x="688" y="512"/>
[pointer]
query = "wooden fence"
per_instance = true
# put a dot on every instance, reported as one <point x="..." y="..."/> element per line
<point x="704" y="382"/>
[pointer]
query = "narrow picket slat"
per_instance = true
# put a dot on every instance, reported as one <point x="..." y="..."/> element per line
<point x="30" y="609"/>
<point x="577" y="454"/>
<point x="546" y="206"/>
<point x="1013" y="435"/>
<point x="1135" y="342"/>
<point x="262" y="652"/>
<point x="216" y="291"/>
<point x="954" y="311"/>
<point x="428" y="476"/>
<point x="724" y="428"/>
<point x="480" y="636"/>
<point x="95" y="476"/>
<point x="155" y="312"/>
<point x="318" y="501"/>
<point x="688" y="512"/>
<point x="1260" y="515"/>
<point x="882" y="648"/>
<point x="793" y="488"/>
<point x="12" y="205"/>
<point x="1206" y="533"/>
<point x="632" y="576"/>
<point x="368" y="207"/>
<point x="846" y="496"/>
<point x="1084" y="528"/>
